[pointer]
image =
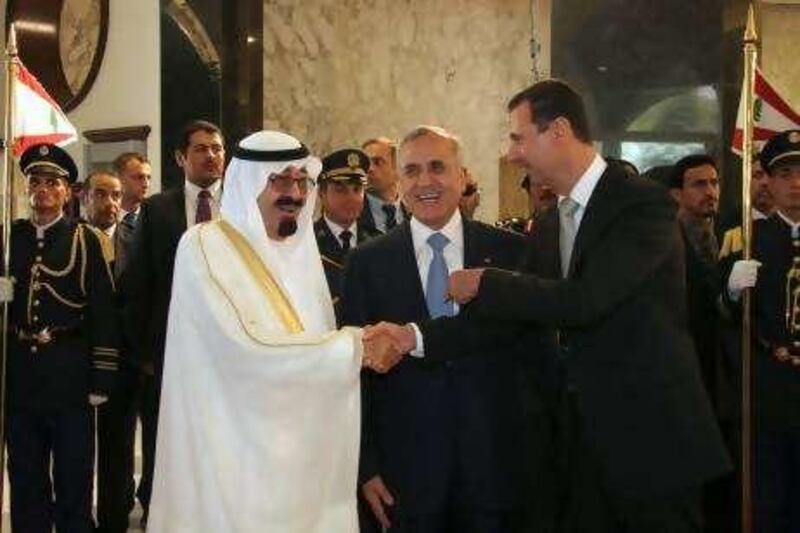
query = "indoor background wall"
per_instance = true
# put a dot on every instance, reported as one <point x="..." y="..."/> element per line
<point x="128" y="86"/>
<point x="779" y="22"/>
<point x="337" y="72"/>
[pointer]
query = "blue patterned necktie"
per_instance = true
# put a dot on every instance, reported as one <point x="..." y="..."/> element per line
<point x="391" y="215"/>
<point x="436" y="286"/>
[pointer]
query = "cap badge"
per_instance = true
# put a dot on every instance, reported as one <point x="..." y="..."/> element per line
<point x="794" y="137"/>
<point x="353" y="161"/>
<point x="44" y="150"/>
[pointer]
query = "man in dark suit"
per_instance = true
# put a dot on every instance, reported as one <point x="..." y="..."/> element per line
<point x="147" y="282"/>
<point x="605" y="273"/>
<point x="383" y="209"/>
<point x="441" y="441"/>
<point x="341" y="192"/>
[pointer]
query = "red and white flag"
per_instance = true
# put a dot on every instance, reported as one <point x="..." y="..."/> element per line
<point x="37" y="117"/>
<point x="771" y="115"/>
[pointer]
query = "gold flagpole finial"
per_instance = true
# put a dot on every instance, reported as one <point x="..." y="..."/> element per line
<point x="750" y="35"/>
<point x="11" y="45"/>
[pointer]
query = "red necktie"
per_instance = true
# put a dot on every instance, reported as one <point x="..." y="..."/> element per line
<point x="203" y="213"/>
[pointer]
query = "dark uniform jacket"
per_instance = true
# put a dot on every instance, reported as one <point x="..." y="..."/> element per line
<point x="64" y="333"/>
<point x="627" y="358"/>
<point x="367" y="221"/>
<point x="429" y="420"/>
<point x="776" y="383"/>
<point x="333" y="257"/>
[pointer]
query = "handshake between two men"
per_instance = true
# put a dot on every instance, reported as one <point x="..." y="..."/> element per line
<point x="385" y="343"/>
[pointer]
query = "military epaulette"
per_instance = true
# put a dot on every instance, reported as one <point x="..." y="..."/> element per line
<point x="732" y="243"/>
<point x="106" y="244"/>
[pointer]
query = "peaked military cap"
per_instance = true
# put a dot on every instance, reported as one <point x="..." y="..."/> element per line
<point x="348" y="164"/>
<point x="783" y="147"/>
<point x="48" y="157"/>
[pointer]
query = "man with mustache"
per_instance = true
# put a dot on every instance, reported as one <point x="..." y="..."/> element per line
<point x="383" y="208"/>
<point x="260" y="405"/>
<point x="147" y="282"/>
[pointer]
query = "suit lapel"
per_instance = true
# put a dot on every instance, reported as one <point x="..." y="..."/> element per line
<point x="475" y="252"/>
<point x="407" y="270"/>
<point x="177" y="211"/>
<point x="602" y="209"/>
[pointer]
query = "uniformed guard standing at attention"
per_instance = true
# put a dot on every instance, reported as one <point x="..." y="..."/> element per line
<point x="62" y="352"/>
<point x="774" y="272"/>
<point x="341" y="192"/>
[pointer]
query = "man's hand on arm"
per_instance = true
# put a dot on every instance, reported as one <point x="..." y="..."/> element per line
<point x="464" y="284"/>
<point x="385" y="344"/>
<point x="378" y="497"/>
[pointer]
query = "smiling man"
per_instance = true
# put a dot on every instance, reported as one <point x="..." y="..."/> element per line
<point x="442" y="444"/>
<point x="260" y="405"/>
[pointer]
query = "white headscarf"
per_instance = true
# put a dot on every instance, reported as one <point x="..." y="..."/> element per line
<point x="295" y="261"/>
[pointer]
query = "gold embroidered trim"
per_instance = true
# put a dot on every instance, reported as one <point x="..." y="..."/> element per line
<point x="83" y="260"/>
<point x="335" y="264"/>
<point x="70" y="265"/>
<point x="106" y="366"/>
<point x="60" y="298"/>
<point x="272" y="291"/>
<point x="107" y="249"/>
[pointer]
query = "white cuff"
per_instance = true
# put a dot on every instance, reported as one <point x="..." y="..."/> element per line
<point x="419" y="351"/>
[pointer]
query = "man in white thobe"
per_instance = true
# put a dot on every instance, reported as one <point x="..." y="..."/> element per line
<point x="260" y="406"/>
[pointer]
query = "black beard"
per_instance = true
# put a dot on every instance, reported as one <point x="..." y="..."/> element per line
<point x="287" y="227"/>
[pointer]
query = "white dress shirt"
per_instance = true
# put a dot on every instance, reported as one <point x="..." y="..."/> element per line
<point x="190" y="199"/>
<point x="41" y="229"/>
<point x="795" y="226"/>
<point x="453" y="256"/>
<point x="336" y="229"/>
<point x="582" y="190"/>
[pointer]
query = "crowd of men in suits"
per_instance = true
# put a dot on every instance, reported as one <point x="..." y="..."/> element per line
<point x="580" y="381"/>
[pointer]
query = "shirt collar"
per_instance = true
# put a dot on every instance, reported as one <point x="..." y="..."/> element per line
<point x="584" y="187"/>
<point x="193" y="190"/>
<point x="795" y="226"/>
<point x="40" y="230"/>
<point x="453" y="230"/>
<point x="336" y="229"/>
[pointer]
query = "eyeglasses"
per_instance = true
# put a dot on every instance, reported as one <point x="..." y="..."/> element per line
<point x="284" y="183"/>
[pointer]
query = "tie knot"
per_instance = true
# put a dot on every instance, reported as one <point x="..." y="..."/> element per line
<point x="204" y="194"/>
<point x="568" y="207"/>
<point x="437" y="241"/>
<point x="129" y="219"/>
<point x="345" y="235"/>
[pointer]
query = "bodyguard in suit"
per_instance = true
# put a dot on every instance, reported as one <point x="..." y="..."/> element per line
<point x="62" y="352"/>
<point x="384" y="208"/>
<point x="442" y="442"/>
<point x="341" y="193"/>
<point x="605" y="272"/>
<point x="147" y="281"/>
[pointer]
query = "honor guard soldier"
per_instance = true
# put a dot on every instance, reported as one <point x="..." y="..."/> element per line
<point x="774" y="272"/>
<point x="62" y="352"/>
<point x="341" y="192"/>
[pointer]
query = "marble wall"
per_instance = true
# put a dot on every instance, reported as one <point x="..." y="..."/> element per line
<point x="779" y="49"/>
<point x="340" y="71"/>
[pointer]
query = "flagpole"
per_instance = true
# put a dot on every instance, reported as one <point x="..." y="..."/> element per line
<point x="750" y="57"/>
<point x="7" y="185"/>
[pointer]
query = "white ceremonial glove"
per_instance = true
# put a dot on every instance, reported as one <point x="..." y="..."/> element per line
<point x="6" y="289"/>
<point x="96" y="400"/>
<point x="743" y="276"/>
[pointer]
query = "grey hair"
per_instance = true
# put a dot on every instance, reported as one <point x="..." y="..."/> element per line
<point x="434" y="131"/>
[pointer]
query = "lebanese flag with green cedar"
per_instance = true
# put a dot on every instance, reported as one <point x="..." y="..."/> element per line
<point x="38" y="118"/>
